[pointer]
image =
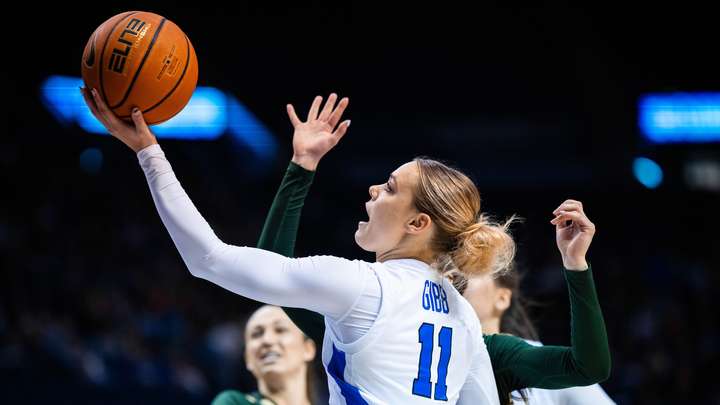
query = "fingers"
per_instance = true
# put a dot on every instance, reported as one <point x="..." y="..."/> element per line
<point x="293" y="116"/>
<point x="570" y="210"/>
<point x="339" y="110"/>
<point x="329" y="106"/>
<point x="139" y="120"/>
<point x="563" y="216"/>
<point x="90" y="102"/>
<point x="340" y="131"/>
<point x="577" y="218"/>
<point x="314" y="108"/>
<point x="107" y="117"/>
<point x="569" y="205"/>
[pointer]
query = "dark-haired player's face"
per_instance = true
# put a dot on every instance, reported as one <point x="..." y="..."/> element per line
<point x="274" y="346"/>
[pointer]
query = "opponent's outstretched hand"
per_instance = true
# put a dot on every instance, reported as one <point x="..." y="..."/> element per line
<point x="315" y="137"/>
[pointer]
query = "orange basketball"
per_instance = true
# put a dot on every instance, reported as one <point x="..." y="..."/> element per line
<point x="140" y="59"/>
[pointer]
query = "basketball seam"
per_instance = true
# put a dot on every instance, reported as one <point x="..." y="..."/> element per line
<point x="102" y="54"/>
<point x="142" y="63"/>
<point x="177" y="84"/>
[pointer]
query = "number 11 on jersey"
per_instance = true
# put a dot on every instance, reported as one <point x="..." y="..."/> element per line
<point x="422" y="386"/>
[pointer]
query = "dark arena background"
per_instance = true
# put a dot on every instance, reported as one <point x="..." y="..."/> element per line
<point x="616" y="107"/>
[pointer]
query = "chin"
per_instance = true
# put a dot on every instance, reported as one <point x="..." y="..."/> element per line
<point x="361" y="242"/>
<point x="272" y="370"/>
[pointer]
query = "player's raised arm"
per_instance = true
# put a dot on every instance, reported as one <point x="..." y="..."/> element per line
<point x="312" y="139"/>
<point x="520" y="365"/>
<point x="253" y="273"/>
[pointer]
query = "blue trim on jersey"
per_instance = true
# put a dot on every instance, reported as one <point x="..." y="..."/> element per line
<point x="336" y="369"/>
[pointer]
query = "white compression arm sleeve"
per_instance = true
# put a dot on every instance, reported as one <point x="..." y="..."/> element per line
<point x="324" y="284"/>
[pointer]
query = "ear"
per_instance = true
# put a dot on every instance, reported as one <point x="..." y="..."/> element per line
<point x="419" y="223"/>
<point x="309" y="350"/>
<point x="503" y="297"/>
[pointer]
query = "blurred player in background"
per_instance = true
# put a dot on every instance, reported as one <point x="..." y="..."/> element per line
<point x="501" y="309"/>
<point x="280" y="357"/>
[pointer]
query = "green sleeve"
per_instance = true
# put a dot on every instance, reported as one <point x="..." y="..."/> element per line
<point x="279" y="234"/>
<point x="518" y="365"/>
<point x="232" y="397"/>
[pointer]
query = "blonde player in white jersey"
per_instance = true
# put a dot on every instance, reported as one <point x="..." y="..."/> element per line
<point x="397" y="332"/>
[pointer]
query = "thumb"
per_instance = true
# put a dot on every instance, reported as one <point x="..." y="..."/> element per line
<point x="139" y="121"/>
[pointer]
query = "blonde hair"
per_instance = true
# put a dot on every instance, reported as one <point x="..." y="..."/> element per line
<point x="463" y="237"/>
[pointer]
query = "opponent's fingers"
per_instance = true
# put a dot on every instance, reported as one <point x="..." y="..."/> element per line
<point x="576" y="217"/>
<point x="341" y="130"/>
<point x="314" y="108"/>
<point x="293" y="116"/>
<point x="329" y="107"/>
<point x="568" y="206"/>
<point x="339" y="110"/>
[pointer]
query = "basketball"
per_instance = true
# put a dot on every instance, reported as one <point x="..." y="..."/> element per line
<point x="141" y="59"/>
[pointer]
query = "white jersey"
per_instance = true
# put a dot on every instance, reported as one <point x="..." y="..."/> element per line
<point x="589" y="395"/>
<point x="425" y="342"/>
<point x="398" y="332"/>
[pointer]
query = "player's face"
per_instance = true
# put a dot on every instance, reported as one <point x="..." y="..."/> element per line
<point x="487" y="298"/>
<point x="274" y="346"/>
<point x="389" y="210"/>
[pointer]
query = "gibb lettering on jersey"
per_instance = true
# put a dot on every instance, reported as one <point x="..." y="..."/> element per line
<point x="434" y="298"/>
<point x="125" y="43"/>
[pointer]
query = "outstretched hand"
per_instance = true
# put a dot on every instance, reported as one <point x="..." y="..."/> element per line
<point x="315" y="137"/>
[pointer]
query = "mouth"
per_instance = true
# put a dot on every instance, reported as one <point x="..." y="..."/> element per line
<point x="367" y="212"/>
<point x="269" y="357"/>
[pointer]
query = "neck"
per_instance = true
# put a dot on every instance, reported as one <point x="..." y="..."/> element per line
<point x="383" y="257"/>
<point x="286" y="390"/>
<point x="403" y="251"/>
<point x="491" y="326"/>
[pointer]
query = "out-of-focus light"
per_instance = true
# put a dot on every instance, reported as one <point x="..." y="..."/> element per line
<point x="91" y="160"/>
<point x="249" y="132"/>
<point x="205" y="117"/>
<point x="680" y="117"/>
<point x="703" y="174"/>
<point x="209" y="114"/>
<point x="647" y="172"/>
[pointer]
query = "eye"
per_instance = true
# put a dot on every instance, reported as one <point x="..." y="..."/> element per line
<point x="387" y="187"/>
<point x="280" y="329"/>
<point x="256" y="333"/>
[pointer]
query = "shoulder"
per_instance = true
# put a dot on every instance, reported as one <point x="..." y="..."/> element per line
<point x="334" y="261"/>
<point x="463" y="310"/>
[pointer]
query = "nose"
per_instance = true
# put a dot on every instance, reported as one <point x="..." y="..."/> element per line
<point x="268" y="338"/>
<point x="373" y="190"/>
